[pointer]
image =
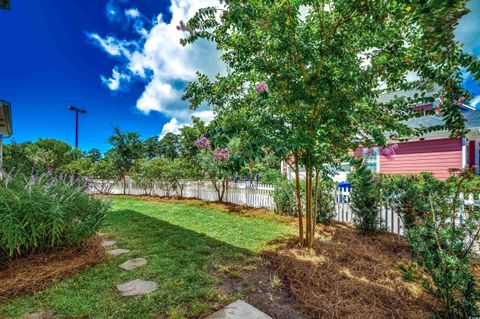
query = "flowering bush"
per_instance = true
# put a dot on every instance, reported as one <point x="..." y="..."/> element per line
<point x="389" y="151"/>
<point x="202" y="143"/>
<point x="221" y="154"/>
<point x="262" y="87"/>
<point x="42" y="212"/>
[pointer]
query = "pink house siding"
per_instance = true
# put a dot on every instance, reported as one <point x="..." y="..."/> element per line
<point x="436" y="156"/>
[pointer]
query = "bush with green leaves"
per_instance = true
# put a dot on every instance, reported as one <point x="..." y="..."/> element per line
<point x="406" y="194"/>
<point x="284" y="198"/>
<point x="441" y="242"/>
<point x="365" y="197"/>
<point x="325" y="200"/>
<point x="38" y="213"/>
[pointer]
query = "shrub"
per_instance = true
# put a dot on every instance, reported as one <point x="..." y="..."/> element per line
<point x="272" y="176"/>
<point x="406" y="195"/>
<point x="365" y="197"/>
<point x="325" y="201"/>
<point x="440" y="242"/>
<point x="42" y="212"/>
<point x="284" y="198"/>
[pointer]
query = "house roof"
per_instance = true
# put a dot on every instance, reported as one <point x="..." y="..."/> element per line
<point x="472" y="120"/>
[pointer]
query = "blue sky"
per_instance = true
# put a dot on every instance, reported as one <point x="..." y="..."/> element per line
<point x="119" y="59"/>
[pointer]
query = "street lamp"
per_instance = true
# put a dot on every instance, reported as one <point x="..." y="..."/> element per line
<point x="6" y="129"/>
<point x="77" y="110"/>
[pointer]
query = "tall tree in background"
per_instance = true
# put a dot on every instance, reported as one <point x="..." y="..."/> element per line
<point x="126" y="149"/>
<point x="310" y="72"/>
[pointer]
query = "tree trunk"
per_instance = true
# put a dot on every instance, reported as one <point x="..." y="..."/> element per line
<point x="299" y="203"/>
<point x="124" y="185"/>
<point x="251" y="166"/>
<point x="315" y="205"/>
<point x="308" y="205"/>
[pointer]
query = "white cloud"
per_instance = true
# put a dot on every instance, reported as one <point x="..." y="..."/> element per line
<point x="114" y="82"/>
<point x="475" y="101"/>
<point x="158" y="59"/>
<point x="132" y="13"/>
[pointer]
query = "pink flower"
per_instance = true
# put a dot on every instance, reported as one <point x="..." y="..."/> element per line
<point x="460" y="101"/>
<point x="262" y="87"/>
<point x="181" y="26"/>
<point x="202" y="143"/>
<point x="221" y="154"/>
<point x="389" y="151"/>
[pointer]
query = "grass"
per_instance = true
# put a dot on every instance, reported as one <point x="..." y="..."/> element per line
<point x="182" y="243"/>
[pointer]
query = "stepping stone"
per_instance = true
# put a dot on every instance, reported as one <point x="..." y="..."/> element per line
<point x="39" y="315"/>
<point x="137" y="287"/>
<point x="133" y="263"/>
<point x="107" y="243"/>
<point x="239" y="310"/>
<point x="116" y="252"/>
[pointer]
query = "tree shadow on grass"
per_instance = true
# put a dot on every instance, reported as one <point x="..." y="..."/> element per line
<point x="180" y="261"/>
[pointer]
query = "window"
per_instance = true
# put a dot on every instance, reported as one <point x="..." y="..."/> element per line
<point x="372" y="158"/>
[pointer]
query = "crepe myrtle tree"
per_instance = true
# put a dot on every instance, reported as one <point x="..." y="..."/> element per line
<point x="214" y="164"/>
<point x="310" y="72"/>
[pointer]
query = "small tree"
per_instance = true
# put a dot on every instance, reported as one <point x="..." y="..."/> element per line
<point x="441" y="243"/>
<point x="126" y="149"/>
<point x="364" y="198"/>
<point x="308" y="74"/>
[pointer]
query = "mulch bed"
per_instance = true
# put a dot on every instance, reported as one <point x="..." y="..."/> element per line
<point x="347" y="275"/>
<point x="38" y="271"/>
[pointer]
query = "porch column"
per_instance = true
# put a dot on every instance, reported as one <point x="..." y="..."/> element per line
<point x="464" y="153"/>
<point x="476" y="157"/>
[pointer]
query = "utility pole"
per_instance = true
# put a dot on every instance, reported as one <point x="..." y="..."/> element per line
<point x="77" y="110"/>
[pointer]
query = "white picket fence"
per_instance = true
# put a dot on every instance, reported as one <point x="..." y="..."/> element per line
<point x="257" y="196"/>
<point x="240" y="193"/>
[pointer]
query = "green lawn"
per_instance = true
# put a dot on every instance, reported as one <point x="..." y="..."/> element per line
<point x="182" y="243"/>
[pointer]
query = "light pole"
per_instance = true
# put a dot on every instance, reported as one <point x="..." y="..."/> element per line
<point x="77" y="110"/>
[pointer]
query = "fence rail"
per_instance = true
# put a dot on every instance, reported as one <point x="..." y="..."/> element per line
<point x="253" y="195"/>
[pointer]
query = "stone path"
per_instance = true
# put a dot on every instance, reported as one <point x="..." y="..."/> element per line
<point x="133" y="263"/>
<point x="116" y="252"/>
<point x="108" y="243"/>
<point x="137" y="287"/>
<point x="239" y="310"/>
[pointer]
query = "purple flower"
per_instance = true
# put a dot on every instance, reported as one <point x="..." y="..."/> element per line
<point x="262" y="87"/>
<point x="389" y="151"/>
<point x="221" y="154"/>
<point x="202" y="143"/>
<point x="460" y="101"/>
<point x="181" y="26"/>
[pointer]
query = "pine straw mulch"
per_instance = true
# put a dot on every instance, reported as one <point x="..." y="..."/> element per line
<point x="347" y="275"/>
<point x="38" y="271"/>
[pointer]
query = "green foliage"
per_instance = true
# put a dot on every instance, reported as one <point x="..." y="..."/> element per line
<point x="284" y="198"/>
<point x="272" y="176"/>
<point x="42" y="212"/>
<point x="325" y="200"/>
<point x="365" y="198"/>
<point x="406" y="194"/>
<point x="441" y="243"/>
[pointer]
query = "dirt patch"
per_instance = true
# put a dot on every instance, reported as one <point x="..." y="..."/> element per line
<point x="347" y="275"/>
<point x="258" y="284"/>
<point x="36" y="272"/>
